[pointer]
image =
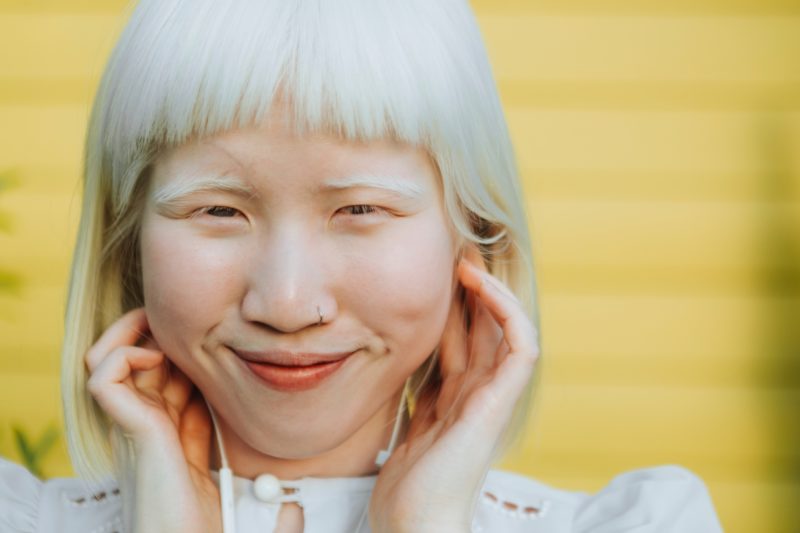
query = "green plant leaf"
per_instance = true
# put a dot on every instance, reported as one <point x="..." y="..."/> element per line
<point x="47" y="440"/>
<point x="32" y="453"/>
<point x="25" y="450"/>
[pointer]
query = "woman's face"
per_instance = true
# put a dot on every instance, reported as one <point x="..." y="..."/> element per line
<point x="246" y="234"/>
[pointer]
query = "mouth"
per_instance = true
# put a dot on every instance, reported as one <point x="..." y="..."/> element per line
<point x="293" y="372"/>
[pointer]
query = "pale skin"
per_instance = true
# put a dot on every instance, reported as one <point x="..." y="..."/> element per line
<point x="273" y="257"/>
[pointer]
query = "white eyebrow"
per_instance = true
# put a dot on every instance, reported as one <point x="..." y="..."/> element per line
<point x="177" y="191"/>
<point x="403" y="187"/>
<point x="173" y="192"/>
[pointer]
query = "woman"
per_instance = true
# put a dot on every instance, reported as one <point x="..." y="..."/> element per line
<point x="302" y="296"/>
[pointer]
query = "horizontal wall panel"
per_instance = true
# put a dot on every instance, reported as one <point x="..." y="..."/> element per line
<point x="64" y="46"/>
<point x="26" y="397"/>
<point x="621" y="280"/>
<point x="643" y="142"/>
<point x="32" y="320"/>
<point x="644" y="94"/>
<point x="661" y="327"/>
<point x="708" y="49"/>
<point x="661" y="234"/>
<point x="53" y="134"/>
<point x="649" y="185"/>
<point x="42" y="359"/>
<point x="47" y="91"/>
<point x="733" y="423"/>
<point x="42" y="178"/>
<point x="51" y="7"/>
<point x="677" y="369"/>
<point x="612" y="7"/>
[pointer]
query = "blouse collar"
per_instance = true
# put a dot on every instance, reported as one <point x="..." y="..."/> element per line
<point x="305" y="489"/>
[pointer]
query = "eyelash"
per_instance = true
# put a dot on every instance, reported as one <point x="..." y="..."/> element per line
<point x="362" y="209"/>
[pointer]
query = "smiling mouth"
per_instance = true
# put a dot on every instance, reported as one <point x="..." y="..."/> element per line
<point x="294" y="378"/>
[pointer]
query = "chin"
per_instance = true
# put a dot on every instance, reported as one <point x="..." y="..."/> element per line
<point x="298" y="442"/>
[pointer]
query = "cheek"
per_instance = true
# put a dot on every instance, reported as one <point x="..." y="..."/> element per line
<point x="404" y="290"/>
<point x="187" y="288"/>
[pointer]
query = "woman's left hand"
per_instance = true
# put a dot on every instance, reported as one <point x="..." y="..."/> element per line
<point x="432" y="481"/>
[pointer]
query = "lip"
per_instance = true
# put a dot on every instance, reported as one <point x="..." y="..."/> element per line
<point x="294" y="378"/>
<point x="288" y="359"/>
<point x="292" y="371"/>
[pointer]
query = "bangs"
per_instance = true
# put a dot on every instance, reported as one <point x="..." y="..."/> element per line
<point x="358" y="69"/>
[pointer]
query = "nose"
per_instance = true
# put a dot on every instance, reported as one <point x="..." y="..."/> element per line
<point x="288" y="281"/>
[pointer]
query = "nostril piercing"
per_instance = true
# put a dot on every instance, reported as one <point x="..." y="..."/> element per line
<point x="320" y="316"/>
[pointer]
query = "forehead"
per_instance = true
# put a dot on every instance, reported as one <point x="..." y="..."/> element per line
<point x="274" y="152"/>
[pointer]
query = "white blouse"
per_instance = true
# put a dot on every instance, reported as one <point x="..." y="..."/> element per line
<point x="662" y="499"/>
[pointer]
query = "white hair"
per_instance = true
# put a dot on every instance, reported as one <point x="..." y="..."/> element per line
<point x="411" y="70"/>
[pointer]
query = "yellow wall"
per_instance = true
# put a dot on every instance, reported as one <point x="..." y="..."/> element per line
<point x="660" y="147"/>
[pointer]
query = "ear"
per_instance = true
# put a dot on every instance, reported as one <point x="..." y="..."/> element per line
<point x="470" y="252"/>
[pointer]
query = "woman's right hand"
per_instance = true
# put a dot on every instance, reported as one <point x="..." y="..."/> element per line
<point x="164" y="415"/>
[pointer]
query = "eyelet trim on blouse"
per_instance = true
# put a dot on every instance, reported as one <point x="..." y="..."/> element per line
<point x="98" y="498"/>
<point x="515" y="509"/>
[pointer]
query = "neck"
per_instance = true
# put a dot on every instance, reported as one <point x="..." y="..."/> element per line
<point x="353" y="457"/>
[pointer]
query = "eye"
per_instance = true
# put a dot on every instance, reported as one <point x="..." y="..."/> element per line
<point x="362" y="209"/>
<point x="218" y="211"/>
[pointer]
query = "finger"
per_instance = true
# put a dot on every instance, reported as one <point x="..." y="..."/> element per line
<point x="484" y="338"/>
<point x="126" y="331"/>
<point x="112" y="388"/>
<point x="505" y="390"/>
<point x="500" y="354"/>
<point x="153" y="379"/>
<point x="195" y="433"/>
<point x="518" y="330"/>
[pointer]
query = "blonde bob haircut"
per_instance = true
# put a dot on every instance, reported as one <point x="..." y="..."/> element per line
<point x="414" y="71"/>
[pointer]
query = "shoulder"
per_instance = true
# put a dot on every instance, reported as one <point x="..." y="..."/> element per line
<point x="65" y="505"/>
<point x="647" y="500"/>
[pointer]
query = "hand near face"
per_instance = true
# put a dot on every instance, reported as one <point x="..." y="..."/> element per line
<point x="159" y="409"/>
<point x="431" y="481"/>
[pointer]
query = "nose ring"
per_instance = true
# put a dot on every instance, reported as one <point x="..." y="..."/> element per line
<point x="320" y="316"/>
